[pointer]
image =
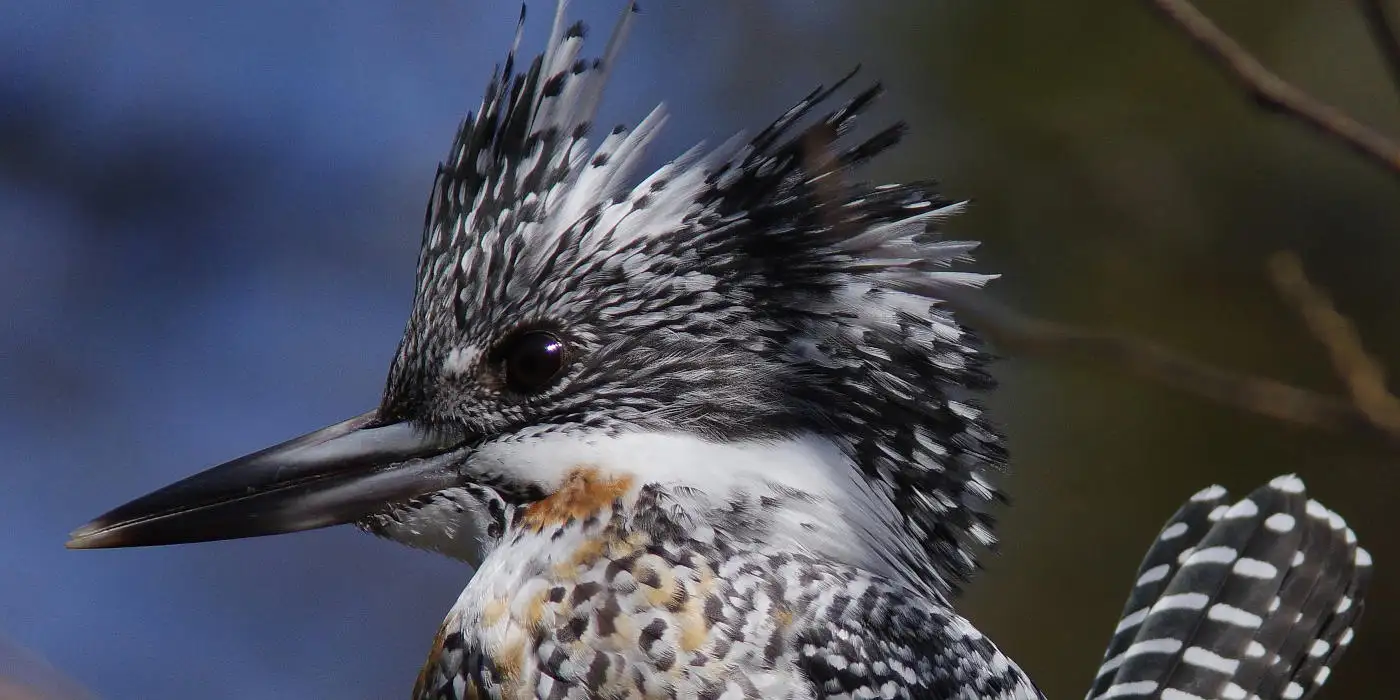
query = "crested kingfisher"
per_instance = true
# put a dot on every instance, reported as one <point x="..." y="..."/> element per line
<point x="716" y="434"/>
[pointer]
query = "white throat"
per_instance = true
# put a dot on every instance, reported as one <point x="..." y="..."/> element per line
<point x="802" y="493"/>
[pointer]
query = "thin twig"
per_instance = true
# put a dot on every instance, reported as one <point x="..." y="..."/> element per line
<point x="1363" y="376"/>
<point x="1020" y="335"/>
<point x="1382" y="28"/>
<point x="1275" y="93"/>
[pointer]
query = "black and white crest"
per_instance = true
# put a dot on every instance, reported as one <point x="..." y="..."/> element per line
<point x="754" y="291"/>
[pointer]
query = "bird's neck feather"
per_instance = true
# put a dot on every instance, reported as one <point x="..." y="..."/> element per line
<point x="801" y="493"/>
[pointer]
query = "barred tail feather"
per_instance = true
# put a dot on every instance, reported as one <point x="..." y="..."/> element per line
<point x="1178" y="537"/>
<point x="1311" y="619"/>
<point x="1250" y="601"/>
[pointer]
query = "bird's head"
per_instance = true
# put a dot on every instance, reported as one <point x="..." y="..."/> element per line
<point x="745" y="328"/>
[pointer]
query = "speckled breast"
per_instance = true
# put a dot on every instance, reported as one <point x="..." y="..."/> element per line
<point x="597" y="605"/>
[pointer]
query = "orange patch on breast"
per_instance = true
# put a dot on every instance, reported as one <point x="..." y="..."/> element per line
<point x="694" y="628"/>
<point x="535" y="609"/>
<point x="429" y="670"/>
<point x="586" y="490"/>
<point x="494" y="612"/>
<point x="509" y="661"/>
<point x="584" y="557"/>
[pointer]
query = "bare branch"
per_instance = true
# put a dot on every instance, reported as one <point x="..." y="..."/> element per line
<point x="1363" y="376"/>
<point x="1275" y="93"/>
<point x="1382" y="28"/>
<point x="1021" y="335"/>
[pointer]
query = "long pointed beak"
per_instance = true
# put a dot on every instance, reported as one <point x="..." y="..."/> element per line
<point x="332" y="476"/>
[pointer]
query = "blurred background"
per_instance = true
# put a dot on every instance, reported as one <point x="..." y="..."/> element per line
<point x="209" y="215"/>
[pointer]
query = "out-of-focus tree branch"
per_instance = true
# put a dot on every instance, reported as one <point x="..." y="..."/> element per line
<point x="1382" y="27"/>
<point x="1276" y="94"/>
<point x="1369" y="409"/>
<point x="1363" y="376"/>
<point x="1017" y="334"/>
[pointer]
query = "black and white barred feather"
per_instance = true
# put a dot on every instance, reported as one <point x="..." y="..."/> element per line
<point x="1254" y="600"/>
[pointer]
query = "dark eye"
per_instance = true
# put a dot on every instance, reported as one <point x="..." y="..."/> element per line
<point x="532" y="360"/>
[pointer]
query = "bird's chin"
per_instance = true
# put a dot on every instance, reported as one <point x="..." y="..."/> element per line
<point x="452" y="522"/>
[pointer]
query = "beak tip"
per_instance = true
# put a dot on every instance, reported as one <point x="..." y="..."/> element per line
<point x="85" y="537"/>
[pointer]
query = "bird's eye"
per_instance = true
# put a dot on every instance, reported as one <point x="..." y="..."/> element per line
<point x="533" y="360"/>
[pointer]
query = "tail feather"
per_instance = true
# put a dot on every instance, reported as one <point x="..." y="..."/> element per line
<point x="1311" y="618"/>
<point x="1176" y="541"/>
<point x="1237" y="602"/>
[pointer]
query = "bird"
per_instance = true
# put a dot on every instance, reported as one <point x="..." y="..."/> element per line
<point x="717" y="433"/>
